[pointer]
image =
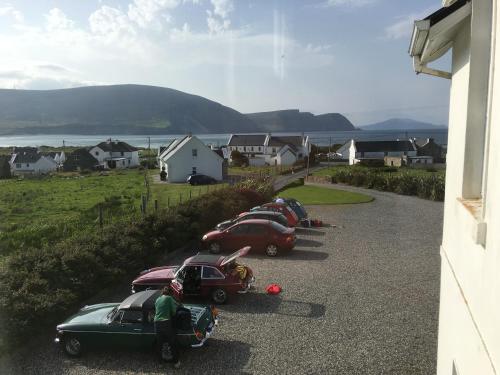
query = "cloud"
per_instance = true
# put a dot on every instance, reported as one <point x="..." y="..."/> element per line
<point x="347" y="3"/>
<point x="403" y="27"/>
<point x="147" y="13"/>
<point x="107" y="20"/>
<point x="222" y="8"/>
<point x="9" y="10"/>
<point x="57" y="20"/>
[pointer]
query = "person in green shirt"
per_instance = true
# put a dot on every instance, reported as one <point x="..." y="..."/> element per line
<point x="165" y="309"/>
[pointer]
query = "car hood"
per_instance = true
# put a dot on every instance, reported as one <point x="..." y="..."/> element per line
<point x="165" y="273"/>
<point x="89" y="315"/>
<point x="213" y="233"/>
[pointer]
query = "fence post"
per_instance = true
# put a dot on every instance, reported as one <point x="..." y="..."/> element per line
<point x="168" y="201"/>
<point x="180" y="197"/>
<point x="190" y="191"/>
<point x="156" y="205"/>
<point x="101" y="221"/>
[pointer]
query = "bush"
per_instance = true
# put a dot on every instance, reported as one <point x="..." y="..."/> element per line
<point x="39" y="285"/>
<point x="400" y="181"/>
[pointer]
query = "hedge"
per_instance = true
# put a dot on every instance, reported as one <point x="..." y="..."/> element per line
<point x="424" y="185"/>
<point x="39" y="286"/>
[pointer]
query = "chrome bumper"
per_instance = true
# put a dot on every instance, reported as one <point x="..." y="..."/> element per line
<point x="249" y="286"/>
<point x="208" y="334"/>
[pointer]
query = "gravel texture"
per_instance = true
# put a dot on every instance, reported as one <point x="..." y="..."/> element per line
<point x="358" y="298"/>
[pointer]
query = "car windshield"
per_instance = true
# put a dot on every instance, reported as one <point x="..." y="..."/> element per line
<point x="278" y="227"/>
<point x="111" y="315"/>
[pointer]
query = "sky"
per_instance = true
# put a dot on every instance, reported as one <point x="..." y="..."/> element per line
<point x="321" y="56"/>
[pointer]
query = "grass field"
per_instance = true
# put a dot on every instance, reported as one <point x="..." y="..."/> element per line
<point x="319" y="195"/>
<point x="57" y="205"/>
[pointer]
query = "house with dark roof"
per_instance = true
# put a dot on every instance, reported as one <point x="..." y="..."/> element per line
<point x="29" y="162"/>
<point x="80" y="160"/>
<point x="189" y="155"/>
<point x="262" y="149"/>
<point x="372" y="150"/>
<point x="115" y="154"/>
<point x="427" y="147"/>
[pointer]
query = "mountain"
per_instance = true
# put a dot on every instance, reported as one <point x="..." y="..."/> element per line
<point x="292" y="120"/>
<point x="140" y="109"/>
<point x="118" y="109"/>
<point x="401" y="124"/>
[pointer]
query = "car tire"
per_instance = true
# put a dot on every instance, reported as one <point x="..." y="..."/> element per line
<point x="72" y="346"/>
<point x="271" y="250"/>
<point x="214" y="248"/>
<point x="219" y="296"/>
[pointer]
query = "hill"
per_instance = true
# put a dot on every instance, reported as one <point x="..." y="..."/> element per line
<point x="292" y="120"/>
<point x="140" y="109"/>
<point x="118" y="109"/>
<point x="401" y="124"/>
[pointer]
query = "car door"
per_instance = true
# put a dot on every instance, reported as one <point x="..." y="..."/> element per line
<point x="191" y="284"/>
<point x="257" y="237"/>
<point x="236" y="237"/>
<point x="124" y="330"/>
<point x="211" y="278"/>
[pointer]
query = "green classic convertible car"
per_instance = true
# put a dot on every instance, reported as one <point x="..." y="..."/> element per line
<point x="129" y="324"/>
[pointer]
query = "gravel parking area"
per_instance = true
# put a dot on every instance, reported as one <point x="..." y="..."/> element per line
<point x="358" y="298"/>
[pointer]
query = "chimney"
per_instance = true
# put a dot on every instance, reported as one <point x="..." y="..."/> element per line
<point x="190" y="134"/>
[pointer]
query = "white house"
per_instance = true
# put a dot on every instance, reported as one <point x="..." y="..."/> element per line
<point x="189" y="155"/>
<point x="262" y="149"/>
<point x="469" y="317"/>
<point x="32" y="163"/>
<point x="360" y="150"/>
<point x="115" y="154"/>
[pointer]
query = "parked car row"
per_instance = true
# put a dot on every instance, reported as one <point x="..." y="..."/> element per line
<point x="268" y="228"/>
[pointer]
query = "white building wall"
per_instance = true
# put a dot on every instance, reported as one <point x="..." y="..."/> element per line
<point x="180" y="165"/>
<point x="286" y="158"/>
<point x="469" y="319"/>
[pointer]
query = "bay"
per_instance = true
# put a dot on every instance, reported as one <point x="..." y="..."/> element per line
<point x="440" y="136"/>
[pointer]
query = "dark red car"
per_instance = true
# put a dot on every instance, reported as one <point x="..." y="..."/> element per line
<point x="293" y="219"/>
<point x="262" y="235"/>
<point x="203" y="275"/>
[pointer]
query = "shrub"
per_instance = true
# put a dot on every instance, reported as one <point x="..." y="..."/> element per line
<point x="39" y="285"/>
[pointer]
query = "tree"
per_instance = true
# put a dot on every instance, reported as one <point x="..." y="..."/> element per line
<point x="238" y="159"/>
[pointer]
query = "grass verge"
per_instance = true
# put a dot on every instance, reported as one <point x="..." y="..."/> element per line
<point x="319" y="195"/>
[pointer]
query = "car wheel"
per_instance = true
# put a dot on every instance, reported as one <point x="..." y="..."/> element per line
<point x="272" y="250"/>
<point x="219" y="296"/>
<point x="214" y="248"/>
<point x="72" y="346"/>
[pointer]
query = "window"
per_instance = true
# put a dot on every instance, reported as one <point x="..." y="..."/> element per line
<point x="251" y="148"/>
<point x="244" y="148"/>
<point x="274" y="150"/>
<point x="122" y="153"/>
<point x="18" y="165"/>
<point x="193" y="170"/>
<point x="131" y="316"/>
<point x="239" y="229"/>
<point x="27" y="164"/>
<point x="211" y="273"/>
<point x="194" y="152"/>
<point x="97" y="153"/>
<point x="256" y="230"/>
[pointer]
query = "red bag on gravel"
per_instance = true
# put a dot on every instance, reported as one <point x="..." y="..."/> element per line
<point x="273" y="289"/>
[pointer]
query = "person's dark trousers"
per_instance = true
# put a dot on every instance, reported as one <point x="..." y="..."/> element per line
<point x="165" y="332"/>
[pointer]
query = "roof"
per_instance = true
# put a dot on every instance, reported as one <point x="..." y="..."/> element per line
<point x="141" y="301"/>
<point x="384" y="146"/>
<point x="271" y="213"/>
<point x="174" y="145"/>
<point x="247" y="140"/>
<point x="444" y="12"/>
<point x="293" y="141"/>
<point x="204" y="259"/>
<point x="116" y="146"/>
<point x="286" y="148"/>
<point x="28" y="157"/>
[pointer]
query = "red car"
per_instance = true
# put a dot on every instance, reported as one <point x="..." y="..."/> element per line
<point x="202" y="275"/>
<point x="293" y="219"/>
<point x="261" y="235"/>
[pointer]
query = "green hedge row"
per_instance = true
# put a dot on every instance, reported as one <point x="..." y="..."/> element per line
<point x="39" y="286"/>
<point x="424" y="185"/>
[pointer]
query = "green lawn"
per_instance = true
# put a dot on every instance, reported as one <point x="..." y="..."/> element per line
<point x="319" y="195"/>
<point x="48" y="208"/>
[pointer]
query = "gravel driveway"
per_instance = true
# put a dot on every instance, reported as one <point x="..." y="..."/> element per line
<point x="359" y="298"/>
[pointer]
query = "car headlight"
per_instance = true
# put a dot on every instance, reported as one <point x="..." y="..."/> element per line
<point x="204" y="237"/>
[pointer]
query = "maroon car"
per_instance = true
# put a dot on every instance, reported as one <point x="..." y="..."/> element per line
<point x="262" y="235"/>
<point x="202" y="275"/>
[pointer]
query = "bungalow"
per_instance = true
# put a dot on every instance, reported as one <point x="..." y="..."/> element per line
<point x="362" y="150"/>
<point x="115" y="154"/>
<point x="187" y="156"/>
<point x="261" y="149"/>
<point x="427" y="147"/>
<point x="31" y="163"/>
